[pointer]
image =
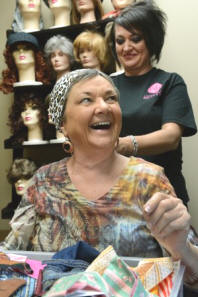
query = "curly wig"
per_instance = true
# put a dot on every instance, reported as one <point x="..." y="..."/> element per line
<point x="10" y="75"/>
<point x="15" y="121"/>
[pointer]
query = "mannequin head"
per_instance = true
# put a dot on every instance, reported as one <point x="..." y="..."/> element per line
<point x="59" y="53"/>
<point x="27" y="16"/>
<point x="20" y="174"/>
<point x="27" y="110"/>
<point x="53" y="4"/>
<point x="61" y="10"/>
<point x="78" y="10"/>
<point x="31" y="115"/>
<point x="120" y="4"/>
<point x="90" y="50"/>
<point x="23" y="55"/>
<point x="11" y="74"/>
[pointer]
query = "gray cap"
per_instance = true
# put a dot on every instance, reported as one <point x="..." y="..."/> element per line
<point x="19" y="37"/>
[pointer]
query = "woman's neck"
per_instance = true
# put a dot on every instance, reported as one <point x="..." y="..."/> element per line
<point x="34" y="133"/>
<point x="27" y="73"/>
<point x="61" y="16"/>
<point x="31" y="21"/>
<point x="138" y="72"/>
<point x="88" y="16"/>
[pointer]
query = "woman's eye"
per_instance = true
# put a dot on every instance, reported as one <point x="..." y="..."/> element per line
<point x="120" y="41"/>
<point x="112" y="98"/>
<point x="85" y="100"/>
<point x="136" y="38"/>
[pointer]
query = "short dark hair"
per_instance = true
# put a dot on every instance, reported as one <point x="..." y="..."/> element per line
<point x="150" y="20"/>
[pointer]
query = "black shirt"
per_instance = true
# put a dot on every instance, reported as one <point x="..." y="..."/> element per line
<point x="150" y="100"/>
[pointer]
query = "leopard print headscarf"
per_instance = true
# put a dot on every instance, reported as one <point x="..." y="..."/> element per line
<point x="58" y="96"/>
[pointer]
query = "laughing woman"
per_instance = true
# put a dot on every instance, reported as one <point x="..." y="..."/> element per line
<point x="98" y="195"/>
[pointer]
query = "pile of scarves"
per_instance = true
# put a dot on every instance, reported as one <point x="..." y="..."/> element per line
<point x="81" y="270"/>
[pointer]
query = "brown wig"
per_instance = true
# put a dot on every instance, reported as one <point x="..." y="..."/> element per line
<point x="98" y="8"/>
<point x="15" y="121"/>
<point x="10" y="75"/>
<point x="21" y="169"/>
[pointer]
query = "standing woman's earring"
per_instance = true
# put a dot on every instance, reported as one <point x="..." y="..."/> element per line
<point x="67" y="146"/>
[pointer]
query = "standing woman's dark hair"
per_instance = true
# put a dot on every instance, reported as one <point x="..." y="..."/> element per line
<point x="149" y="20"/>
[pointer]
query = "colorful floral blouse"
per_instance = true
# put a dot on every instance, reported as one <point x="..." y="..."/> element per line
<point x="53" y="214"/>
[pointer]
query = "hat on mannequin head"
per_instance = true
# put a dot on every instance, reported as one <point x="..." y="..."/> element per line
<point x="20" y="37"/>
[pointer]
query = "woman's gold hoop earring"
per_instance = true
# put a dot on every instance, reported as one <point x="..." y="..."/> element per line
<point x="67" y="146"/>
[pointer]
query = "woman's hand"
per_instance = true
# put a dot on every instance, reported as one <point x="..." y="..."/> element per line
<point x="125" y="146"/>
<point x="169" y="222"/>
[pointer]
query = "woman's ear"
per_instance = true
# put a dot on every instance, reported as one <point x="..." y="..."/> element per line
<point x="63" y="130"/>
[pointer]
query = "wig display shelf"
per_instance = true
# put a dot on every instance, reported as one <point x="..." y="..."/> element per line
<point x="41" y="90"/>
<point x="69" y="31"/>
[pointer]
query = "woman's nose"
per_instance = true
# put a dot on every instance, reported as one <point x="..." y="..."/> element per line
<point x="127" y="45"/>
<point x="102" y="105"/>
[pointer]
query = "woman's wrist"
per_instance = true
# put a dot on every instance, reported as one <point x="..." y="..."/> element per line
<point x="189" y="257"/>
<point x="135" y="145"/>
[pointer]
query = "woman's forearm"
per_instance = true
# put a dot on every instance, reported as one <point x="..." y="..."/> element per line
<point x="158" y="142"/>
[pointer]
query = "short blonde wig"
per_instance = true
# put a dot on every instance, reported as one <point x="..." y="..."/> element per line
<point x="95" y="42"/>
<point x="98" y="9"/>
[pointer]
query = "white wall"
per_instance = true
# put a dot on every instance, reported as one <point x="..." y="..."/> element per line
<point x="179" y="55"/>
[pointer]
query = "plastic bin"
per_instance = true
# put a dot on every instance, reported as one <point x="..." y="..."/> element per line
<point x="177" y="290"/>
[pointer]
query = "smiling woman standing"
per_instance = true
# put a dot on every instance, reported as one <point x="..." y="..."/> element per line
<point x="156" y="108"/>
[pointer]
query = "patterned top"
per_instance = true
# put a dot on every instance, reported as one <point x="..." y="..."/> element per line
<point x="53" y="214"/>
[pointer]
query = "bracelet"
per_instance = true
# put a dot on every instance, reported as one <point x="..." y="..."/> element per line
<point x="135" y="145"/>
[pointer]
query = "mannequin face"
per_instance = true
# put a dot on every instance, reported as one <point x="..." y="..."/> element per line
<point x="60" y="62"/>
<point x="30" y="115"/>
<point x="23" y="55"/>
<point x="88" y="58"/>
<point x="84" y="6"/>
<point x="29" y="5"/>
<point x="21" y="186"/>
<point x="59" y="3"/>
<point x="120" y="4"/>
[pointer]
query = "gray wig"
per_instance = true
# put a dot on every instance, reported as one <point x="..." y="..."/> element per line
<point x="59" y="42"/>
<point x="17" y="24"/>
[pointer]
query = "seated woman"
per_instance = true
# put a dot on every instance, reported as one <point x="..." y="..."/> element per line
<point x="86" y="11"/>
<point x="90" y="50"/>
<point x="98" y="195"/>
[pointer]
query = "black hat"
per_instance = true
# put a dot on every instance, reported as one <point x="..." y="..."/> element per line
<point x="19" y="37"/>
